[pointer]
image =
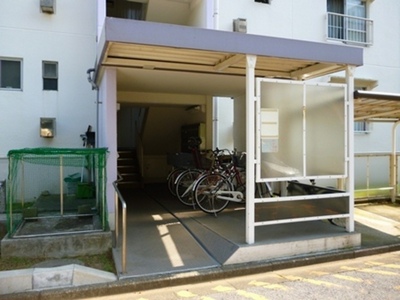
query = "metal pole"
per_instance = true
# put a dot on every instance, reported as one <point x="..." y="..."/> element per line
<point x="250" y="148"/>
<point x="61" y="187"/>
<point x="350" y="146"/>
<point x="9" y="184"/>
<point x="119" y="198"/>
<point x="116" y="218"/>
<point x="393" y="173"/>
<point x="23" y="184"/>
<point x="123" y="250"/>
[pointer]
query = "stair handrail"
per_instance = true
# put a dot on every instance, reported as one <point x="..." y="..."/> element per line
<point x="120" y="198"/>
<point x="140" y="153"/>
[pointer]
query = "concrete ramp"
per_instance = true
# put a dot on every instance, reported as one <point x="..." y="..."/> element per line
<point x="158" y="242"/>
<point x="224" y="238"/>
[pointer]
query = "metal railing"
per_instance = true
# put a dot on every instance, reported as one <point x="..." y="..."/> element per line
<point x="120" y="199"/>
<point x="372" y="175"/>
<point x="349" y="29"/>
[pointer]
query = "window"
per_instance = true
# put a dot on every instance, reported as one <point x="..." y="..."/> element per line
<point x="126" y="9"/>
<point x="10" y="74"/>
<point x="50" y="76"/>
<point x="347" y="21"/>
<point x="362" y="127"/>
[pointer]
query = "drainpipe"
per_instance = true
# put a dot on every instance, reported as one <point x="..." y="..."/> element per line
<point x="215" y="123"/>
<point x="215" y="99"/>
<point x="393" y="173"/>
<point x="216" y="14"/>
<point x="90" y="73"/>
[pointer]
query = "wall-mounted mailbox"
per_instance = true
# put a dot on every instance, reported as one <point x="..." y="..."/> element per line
<point x="47" y="127"/>
<point x="47" y="6"/>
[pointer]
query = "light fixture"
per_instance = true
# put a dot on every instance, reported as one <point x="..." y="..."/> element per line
<point x="193" y="107"/>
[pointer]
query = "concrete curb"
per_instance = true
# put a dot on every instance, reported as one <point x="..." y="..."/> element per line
<point x="38" y="279"/>
<point x="111" y="287"/>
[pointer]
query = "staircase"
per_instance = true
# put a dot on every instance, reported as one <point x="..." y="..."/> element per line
<point x="129" y="169"/>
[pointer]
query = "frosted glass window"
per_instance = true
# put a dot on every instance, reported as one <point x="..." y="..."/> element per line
<point x="325" y="130"/>
<point x="302" y="130"/>
<point x="287" y="160"/>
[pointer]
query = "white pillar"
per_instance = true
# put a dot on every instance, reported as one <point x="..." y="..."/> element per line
<point x="250" y="147"/>
<point x="350" y="145"/>
<point x="107" y="133"/>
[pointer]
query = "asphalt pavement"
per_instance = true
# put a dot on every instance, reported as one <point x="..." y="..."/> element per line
<point x="377" y="222"/>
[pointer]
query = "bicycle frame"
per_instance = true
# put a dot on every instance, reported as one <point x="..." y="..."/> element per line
<point x="235" y="196"/>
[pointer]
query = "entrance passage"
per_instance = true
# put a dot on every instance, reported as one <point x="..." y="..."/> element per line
<point x="165" y="236"/>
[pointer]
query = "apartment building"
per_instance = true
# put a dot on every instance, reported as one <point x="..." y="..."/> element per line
<point x="181" y="63"/>
<point x="44" y="56"/>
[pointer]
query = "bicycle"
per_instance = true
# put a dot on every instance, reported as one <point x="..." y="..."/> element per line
<point x="182" y="163"/>
<point x="213" y="192"/>
<point x="185" y="181"/>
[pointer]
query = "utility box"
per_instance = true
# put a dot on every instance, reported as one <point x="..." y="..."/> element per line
<point x="47" y="127"/>
<point x="48" y="6"/>
<point x="240" y="25"/>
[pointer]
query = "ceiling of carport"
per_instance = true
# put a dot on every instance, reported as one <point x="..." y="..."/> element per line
<point x="165" y="69"/>
<point x="165" y="58"/>
<point x="376" y="106"/>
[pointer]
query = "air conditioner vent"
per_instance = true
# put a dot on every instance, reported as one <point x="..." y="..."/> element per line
<point x="240" y="25"/>
<point x="48" y="6"/>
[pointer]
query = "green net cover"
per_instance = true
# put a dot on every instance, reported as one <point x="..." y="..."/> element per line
<point x="48" y="182"/>
<point x="51" y="156"/>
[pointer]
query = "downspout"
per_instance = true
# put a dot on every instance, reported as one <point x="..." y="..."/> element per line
<point x="393" y="165"/>
<point x="215" y="99"/>
<point x="216" y="14"/>
<point x="91" y="72"/>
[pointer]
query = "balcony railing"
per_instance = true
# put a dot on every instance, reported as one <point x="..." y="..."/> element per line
<point x="349" y="29"/>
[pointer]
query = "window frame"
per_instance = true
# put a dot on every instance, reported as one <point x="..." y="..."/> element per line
<point x="347" y="23"/>
<point x="49" y="80"/>
<point x="10" y="88"/>
<point x="362" y="127"/>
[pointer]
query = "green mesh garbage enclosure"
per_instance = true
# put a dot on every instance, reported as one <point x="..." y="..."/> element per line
<point x="56" y="191"/>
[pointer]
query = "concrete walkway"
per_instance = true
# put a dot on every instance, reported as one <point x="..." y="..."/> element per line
<point x="170" y="244"/>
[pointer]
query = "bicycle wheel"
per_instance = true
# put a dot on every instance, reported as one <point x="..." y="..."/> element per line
<point x="207" y="192"/>
<point x="263" y="190"/>
<point x="184" y="186"/>
<point x="171" y="178"/>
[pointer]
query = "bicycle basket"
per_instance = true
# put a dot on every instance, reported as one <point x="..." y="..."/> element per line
<point x="180" y="160"/>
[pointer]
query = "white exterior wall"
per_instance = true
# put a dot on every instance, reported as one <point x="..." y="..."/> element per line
<point x="382" y="63"/>
<point x="303" y="20"/>
<point x="306" y="20"/>
<point x="67" y="37"/>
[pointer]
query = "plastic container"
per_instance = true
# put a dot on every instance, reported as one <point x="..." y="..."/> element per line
<point x="72" y="183"/>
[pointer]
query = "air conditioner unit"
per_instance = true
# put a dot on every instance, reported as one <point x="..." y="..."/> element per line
<point x="240" y="25"/>
<point x="48" y="6"/>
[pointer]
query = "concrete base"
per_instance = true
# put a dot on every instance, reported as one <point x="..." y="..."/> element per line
<point x="286" y="240"/>
<point x="36" y="279"/>
<point x="59" y="246"/>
